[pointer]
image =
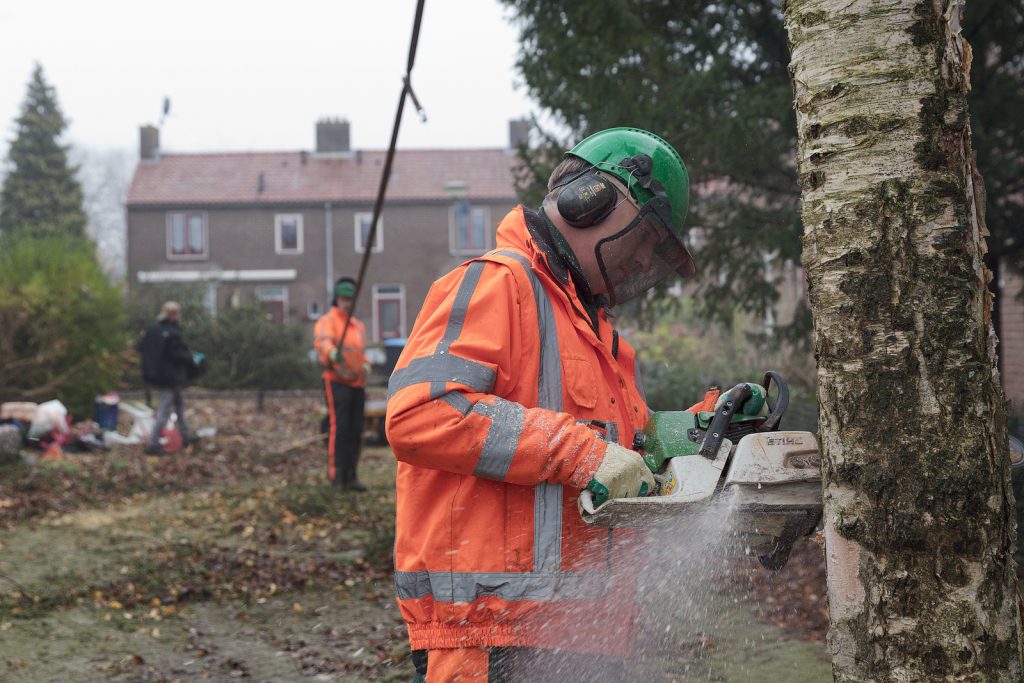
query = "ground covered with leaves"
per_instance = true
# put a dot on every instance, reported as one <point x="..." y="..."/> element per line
<point x="232" y="560"/>
<point x="235" y="560"/>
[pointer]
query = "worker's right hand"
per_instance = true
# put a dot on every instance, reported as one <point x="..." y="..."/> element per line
<point x="622" y="474"/>
<point x="334" y="355"/>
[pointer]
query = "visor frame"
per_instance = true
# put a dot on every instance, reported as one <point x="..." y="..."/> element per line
<point x="647" y="214"/>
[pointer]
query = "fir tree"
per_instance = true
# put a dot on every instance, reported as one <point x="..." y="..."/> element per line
<point x="41" y="196"/>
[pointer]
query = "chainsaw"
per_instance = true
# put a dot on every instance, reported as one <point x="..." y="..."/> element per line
<point x="769" y="479"/>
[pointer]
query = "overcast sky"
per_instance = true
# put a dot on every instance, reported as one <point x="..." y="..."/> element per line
<point x="257" y="75"/>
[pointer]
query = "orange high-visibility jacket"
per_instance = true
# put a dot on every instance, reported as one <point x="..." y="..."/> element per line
<point x="496" y="413"/>
<point x="327" y="337"/>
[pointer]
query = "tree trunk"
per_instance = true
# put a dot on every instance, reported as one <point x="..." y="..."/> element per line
<point x="918" y="516"/>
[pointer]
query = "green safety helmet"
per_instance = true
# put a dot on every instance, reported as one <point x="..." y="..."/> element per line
<point x="651" y="175"/>
<point x="345" y="287"/>
<point x="606" y="150"/>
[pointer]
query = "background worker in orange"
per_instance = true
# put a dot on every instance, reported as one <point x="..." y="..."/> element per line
<point x="344" y="384"/>
<point x="512" y="395"/>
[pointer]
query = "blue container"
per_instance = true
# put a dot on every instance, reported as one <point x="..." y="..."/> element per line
<point x="105" y="414"/>
<point x="392" y="350"/>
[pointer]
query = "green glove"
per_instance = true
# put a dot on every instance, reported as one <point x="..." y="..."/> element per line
<point x="334" y="355"/>
<point x="755" y="405"/>
<point x="622" y="474"/>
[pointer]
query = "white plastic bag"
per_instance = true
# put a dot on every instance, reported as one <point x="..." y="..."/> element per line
<point x="142" y="422"/>
<point x="49" y="415"/>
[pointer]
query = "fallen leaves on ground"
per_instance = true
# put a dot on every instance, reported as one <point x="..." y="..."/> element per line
<point x="255" y="523"/>
<point x="248" y="444"/>
<point x="216" y="546"/>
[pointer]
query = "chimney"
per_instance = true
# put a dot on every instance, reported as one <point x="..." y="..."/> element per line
<point x="332" y="136"/>
<point x="518" y="133"/>
<point x="149" y="143"/>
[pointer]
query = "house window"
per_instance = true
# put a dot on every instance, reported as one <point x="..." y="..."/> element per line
<point x="388" y="311"/>
<point x="469" y="233"/>
<point x="186" y="235"/>
<point x="274" y="301"/>
<point x="288" y="233"/>
<point x="313" y="310"/>
<point x="362" y="233"/>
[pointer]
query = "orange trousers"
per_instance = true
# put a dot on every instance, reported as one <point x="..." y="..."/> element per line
<point x="520" y="665"/>
<point x="465" y="665"/>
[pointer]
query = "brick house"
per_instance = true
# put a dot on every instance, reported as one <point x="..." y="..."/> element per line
<point x="278" y="228"/>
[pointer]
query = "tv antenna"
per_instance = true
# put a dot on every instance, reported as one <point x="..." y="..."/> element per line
<point x="165" y="110"/>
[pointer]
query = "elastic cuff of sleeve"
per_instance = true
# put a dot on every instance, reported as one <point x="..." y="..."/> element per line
<point x="587" y="465"/>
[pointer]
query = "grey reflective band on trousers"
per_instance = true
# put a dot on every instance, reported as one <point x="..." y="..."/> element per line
<point x="468" y="586"/>
<point x="546" y="583"/>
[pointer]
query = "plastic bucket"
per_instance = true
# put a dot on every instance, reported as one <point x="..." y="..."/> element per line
<point x="106" y="417"/>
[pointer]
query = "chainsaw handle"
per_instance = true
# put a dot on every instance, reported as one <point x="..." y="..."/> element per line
<point x="771" y="423"/>
<point x="736" y="397"/>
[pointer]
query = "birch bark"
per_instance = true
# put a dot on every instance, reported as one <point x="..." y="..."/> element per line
<point x="918" y="517"/>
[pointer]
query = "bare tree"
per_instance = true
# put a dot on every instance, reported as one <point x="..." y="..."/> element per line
<point x="105" y="174"/>
<point x="919" y="528"/>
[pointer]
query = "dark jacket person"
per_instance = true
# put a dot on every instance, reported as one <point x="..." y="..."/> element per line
<point x="166" y="364"/>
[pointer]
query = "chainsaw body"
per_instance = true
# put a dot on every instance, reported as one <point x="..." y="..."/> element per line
<point x="769" y="481"/>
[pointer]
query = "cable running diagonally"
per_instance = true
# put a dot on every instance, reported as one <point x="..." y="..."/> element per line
<point x="386" y="173"/>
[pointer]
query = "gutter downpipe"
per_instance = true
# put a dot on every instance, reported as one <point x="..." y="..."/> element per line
<point x="328" y="252"/>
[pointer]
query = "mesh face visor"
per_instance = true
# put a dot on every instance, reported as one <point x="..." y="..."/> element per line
<point x="642" y="255"/>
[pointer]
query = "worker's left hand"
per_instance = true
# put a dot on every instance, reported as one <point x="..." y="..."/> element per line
<point x="334" y="355"/>
<point x="755" y="405"/>
<point x="622" y="474"/>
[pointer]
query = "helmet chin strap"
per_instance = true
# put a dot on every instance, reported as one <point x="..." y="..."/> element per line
<point x="568" y="256"/>
<point x="608" y="284"/>
<point x="645" y="213"/>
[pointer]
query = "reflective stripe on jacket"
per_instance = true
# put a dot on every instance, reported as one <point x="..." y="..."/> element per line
<point x="327" y="337"/>
<point x="491" y="414"/>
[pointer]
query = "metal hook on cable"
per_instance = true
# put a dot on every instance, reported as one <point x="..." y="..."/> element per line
<point x="415" y="101"/>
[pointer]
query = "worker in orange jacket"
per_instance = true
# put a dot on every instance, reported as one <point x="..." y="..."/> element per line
<point x="513" y="394"/>
<point x="344" y="376"/>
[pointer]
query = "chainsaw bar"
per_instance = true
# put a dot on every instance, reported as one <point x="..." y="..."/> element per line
<point x="771" y="487"/>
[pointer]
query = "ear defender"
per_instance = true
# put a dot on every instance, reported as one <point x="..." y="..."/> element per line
<point x="587" y="200"/>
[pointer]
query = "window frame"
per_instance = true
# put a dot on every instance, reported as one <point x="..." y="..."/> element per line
<point x="169" y="236"/>
<point x="377" y="297"/>
<point x="357" y="233"/>
<point x="279" y="219"/>
<point x="453" y="247"/>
